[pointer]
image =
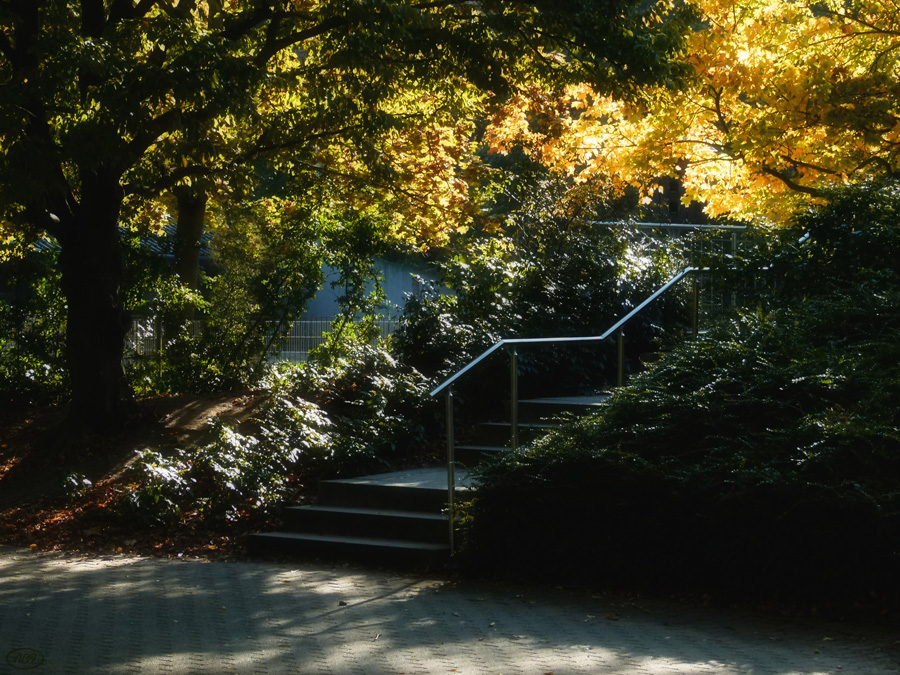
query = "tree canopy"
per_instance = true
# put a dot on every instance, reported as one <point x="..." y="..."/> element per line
<point x="108" y="104"/>
<point x="784" y="99"/>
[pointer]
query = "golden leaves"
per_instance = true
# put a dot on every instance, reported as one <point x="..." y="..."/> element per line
<point x="784" y="96"/>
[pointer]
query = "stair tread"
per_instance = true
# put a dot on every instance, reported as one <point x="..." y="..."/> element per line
<point x="491" y="448"/>
<point x="591" y="401"/>
<point x="429" y="478"/>
<point x="369" y="511"/>
<point x="522" y="425"/>
<point x="374" y="542"/>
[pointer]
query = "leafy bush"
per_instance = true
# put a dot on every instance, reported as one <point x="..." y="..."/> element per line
<point x="361" y="411"/>
<point x="236" y="476"/>
<point x="555" y="269"/>
<point x="378" y="407"/>
<point x="32" y="331"/>
<point x="759" y="459"/>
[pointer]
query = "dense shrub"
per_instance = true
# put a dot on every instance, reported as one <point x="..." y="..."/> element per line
<point x="238" y="475"/>
<point x="359" y="411"/>
<point x="377" y="406"/>
<point x="758" y="459"/>
<point x="554" y="269"/>
<point x="32" y="331"/>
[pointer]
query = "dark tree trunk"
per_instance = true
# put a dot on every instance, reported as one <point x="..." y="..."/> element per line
<point x="92" y="270"/>
<point x="188" y="234"/>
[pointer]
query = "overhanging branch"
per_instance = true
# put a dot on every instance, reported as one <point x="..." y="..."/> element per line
<point x="274" y="45"/>
<point x="791" y="184"/>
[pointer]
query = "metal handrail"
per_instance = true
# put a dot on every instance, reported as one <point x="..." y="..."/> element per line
<point x="588" y="338"/>
<point x="447" y="385"/>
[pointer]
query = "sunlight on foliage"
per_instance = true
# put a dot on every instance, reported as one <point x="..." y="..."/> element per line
<point x="786" y="99"/>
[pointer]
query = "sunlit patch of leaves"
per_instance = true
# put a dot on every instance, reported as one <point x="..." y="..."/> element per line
<point x="233" y="476"/>
<point x="359" y="411"/>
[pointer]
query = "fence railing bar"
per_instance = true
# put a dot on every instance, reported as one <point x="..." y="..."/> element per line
<point x="143" y="339"/>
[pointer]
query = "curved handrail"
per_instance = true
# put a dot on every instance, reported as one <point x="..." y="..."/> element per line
<point x="588" y="338"/>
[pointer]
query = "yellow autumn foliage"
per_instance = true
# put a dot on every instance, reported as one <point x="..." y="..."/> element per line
<point x="786" y="98"/>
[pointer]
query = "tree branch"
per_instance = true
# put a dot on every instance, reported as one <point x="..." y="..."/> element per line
<point x="807" y="165"/>
<point x="93" y="18"/>
<point x="242" y="24"/>
<point x="881" y="161"/>
<point x="126" y="9"/>
<point x="873" y="29"/>
<point x="167" y="121"/>
<point x="170" y="180"/>
<point x="791" y="184"/>
<point x="274" y="45"/>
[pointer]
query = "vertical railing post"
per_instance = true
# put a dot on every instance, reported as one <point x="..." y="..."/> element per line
<point x="620" y="378"/>
<point x="451" y="473"/>
<point x="514" y="397"/>
<point x="695" y="316"/>
<point x="160" y="344"/>
<point x="733" y="300"/>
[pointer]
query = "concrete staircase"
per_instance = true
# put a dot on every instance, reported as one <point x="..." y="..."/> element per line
<point x="400" y="518"/>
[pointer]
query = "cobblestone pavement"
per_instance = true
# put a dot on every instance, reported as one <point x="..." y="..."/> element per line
<point x="118" y="614"/>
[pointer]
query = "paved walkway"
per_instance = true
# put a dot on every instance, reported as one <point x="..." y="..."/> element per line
<point x="138" y="615"/>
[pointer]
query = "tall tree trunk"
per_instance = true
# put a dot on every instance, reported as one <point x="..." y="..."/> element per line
<point x="188" y="234"/>
<point x="92" y="271"/>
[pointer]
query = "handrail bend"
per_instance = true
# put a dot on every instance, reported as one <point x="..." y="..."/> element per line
<point x="587" y="338"/>
<point x="447" y="385"/>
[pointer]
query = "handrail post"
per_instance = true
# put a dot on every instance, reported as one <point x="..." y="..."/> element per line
<point x="514" y="397"/>
<point x="451" y="474"/>
<point x="695" y="316"/>
<point x="620" y="379"/>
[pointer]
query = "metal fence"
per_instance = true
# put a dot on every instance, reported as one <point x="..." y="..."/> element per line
<point x="716" y="246"/>
<point x="307" y="334"/>
<point x="147" y="337"/>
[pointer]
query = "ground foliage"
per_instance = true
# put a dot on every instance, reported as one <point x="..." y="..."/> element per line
<point x="349" y="412"/>
<point x="757" y="460"/>
<point x="57" y="495"/>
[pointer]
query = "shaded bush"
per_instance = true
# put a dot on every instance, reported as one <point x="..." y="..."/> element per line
<point x="760" y="459"/>
<point x="32" y="331"/>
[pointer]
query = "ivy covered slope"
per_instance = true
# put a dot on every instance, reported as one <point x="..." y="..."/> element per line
<point x="760" y="459"/>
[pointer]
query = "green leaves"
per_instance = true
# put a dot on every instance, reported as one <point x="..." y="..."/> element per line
<point x="360" y="412"/>
<point x="553" y="270"/>
<point x="760" y="456"/>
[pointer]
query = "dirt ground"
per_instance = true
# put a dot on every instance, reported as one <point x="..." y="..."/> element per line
<point x="46" y="503"/>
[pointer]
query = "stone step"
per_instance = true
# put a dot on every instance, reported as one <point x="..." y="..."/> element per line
<point x="384" y="551"/>
<point x="399" y="518"/>
<point x="423" y="490"/>
<point x="500" y="433"/>
<point x="367" y="522"/>
<point x="536" y="409"/>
